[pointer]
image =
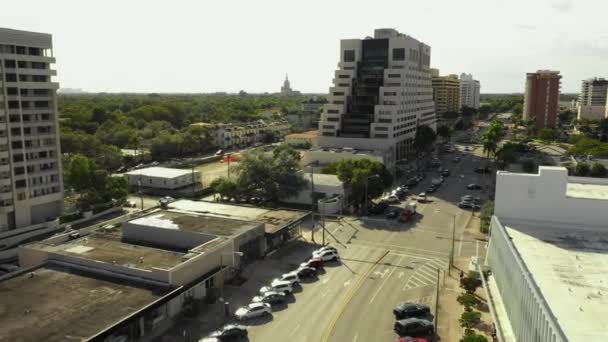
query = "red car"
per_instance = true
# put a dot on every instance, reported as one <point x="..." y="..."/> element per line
<point x="316" y="263"/>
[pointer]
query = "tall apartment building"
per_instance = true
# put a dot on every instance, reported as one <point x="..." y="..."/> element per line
<point x="541" y="99"/>
<point x="446" y="92"/>
<point x="469" y="91"/>
<point x="592" y="99"/>
<point x="31" y="188"/>
<point x="381" y="93"/>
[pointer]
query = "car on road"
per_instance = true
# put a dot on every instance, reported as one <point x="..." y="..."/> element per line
<point x="270" y="297"/>
<point x="377" y="208"/>
<point x="413" y="327"/>
<point x="468" y="205"/>
<point x="393" y="199"/>
<point x="281" y="286"/>
<point x="456" y="160"/>
<point x="306" y="271"/>
<point x="291" y="277"/>
<point x="253" y="310"/>
<point x="467" y="148"/>
<point x="130" y="204"/>
<point x="474" y="186"/>
<point x="421" y="197"/>
<point x="326" y="255"/>
<point x="482" y="170"/>
<point x="219" y="152"/>
<point x="412" y="182"/>
<point x="231" y="332"/>
<point x="470" y="198"/>
<point x="407" y="310"/>
<point x="315" y="263"/>
<point x="445" y="172"/>
<point x="431" y="189"/>
<point x="327" y="248"/>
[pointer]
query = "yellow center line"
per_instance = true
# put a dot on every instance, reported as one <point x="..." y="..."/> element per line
<point x="330" y="327"/>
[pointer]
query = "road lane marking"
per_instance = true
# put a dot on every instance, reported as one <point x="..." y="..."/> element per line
<point x="346" y="283"/>
<point x="330" y="327"/>
<point x="356" y="337"/>
<point x="325" y="280"/>
<point x="385" y="280"/>
<point x="385" y="245"/>
<point x="294" y="330"/>
<point x="460" y="243"/>
<point x="401" y="274"/>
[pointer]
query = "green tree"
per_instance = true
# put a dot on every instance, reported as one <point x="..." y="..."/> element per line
<point x="470" y="282"/>
<point x="528" y="165"/>
<point x="358" y="172"/>
<point x="518" y="109"/>
<point x="469" y="320"/>
<point x="597" y="170"/>
<point x="548" y="134"/>
<point x="486" y="216"/>
<point x="467" y="300"/>
<point x="443" y="131"/>
<point x="80" y="171"/>
<point x="471" y="336"/>
<point x="116" y="188"/>
<point x="581" y="169"/>
<point x="225" y="187"/>
<point x="425" y="136"/>
<point x="505" y="155"/>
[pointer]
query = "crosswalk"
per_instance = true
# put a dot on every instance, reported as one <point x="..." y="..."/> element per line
<point x="424" y="275"/>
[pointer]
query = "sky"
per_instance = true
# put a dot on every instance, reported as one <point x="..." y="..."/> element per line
<point x="232" y="45"/>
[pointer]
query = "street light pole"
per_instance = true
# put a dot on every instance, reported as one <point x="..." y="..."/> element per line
<point x="451" y="264"/>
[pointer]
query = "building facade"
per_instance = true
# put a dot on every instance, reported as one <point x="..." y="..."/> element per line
<point x="245" y="134"/>
<point x="469" y="91"/>
<point x="31" y="186"/>
<point x="381" y="93"/>
<point x="286" y="88"/>
<point x="548" y="255"/>
<point x="541" y="98"/>
<point x="592" y="99"/>
<point x="446" y="92"/>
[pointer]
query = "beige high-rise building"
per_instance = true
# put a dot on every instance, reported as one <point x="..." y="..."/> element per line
<point x="446" y="92"/>
<point x="31" y="188"/>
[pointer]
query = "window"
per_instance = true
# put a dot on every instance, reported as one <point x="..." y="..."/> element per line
<point x="381" y="128"/>
<point x="394" y="75"/>
<point x="343" y="76"/>
<point x="333" y="111"/>
<point x="399" y="54"/>
<point x="349" y="55"/>
<point x="338" y="93"/>
<point x="328" y="127"/>
<point x="333" y="119"/>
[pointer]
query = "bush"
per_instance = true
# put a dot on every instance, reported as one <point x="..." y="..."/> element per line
<point x="528" y="165"/>
<point x="102" y="207"/>
<point x="486" y="217"/>
<point x="468" y="300"/>
<point x="470" y="336"/>
<point x="469" y="319"/>
<point x="597" y="170"/>
<point x="70" y="217"/>
<point x="581" y="169"/>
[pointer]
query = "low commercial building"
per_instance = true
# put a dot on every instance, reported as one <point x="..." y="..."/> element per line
<point x="124" y="283"/>
<point x="163" y="178"/>
<point x="548" y="253"/>
<point x="329" y="192"/>
<point x="310" y="138"/>
<point x="325" y="156"/>
<point x="244" y="134"/>
<point x="280" y="225"/>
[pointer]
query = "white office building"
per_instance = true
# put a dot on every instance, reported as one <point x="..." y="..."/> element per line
<point x="592" y="99"/>
<point x="31" y="189"/>
<point x="548" y="254"/>
<point x="381" y="93"/>
<point x="469" y="91"/>
<point x="163" y="178"/>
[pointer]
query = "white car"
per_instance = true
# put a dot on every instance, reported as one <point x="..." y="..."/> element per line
<point x="278" y="286"/>
<point x="391" y="199"/>
<point x="421" y="197"/>
<point x="253" y="310"/>
<point x="291" y="277"/>
<point x="326" y="248"/>
<point x="326" y="255"/>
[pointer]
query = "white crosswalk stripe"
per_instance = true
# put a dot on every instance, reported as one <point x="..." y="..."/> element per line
<point x="425" y="274"/>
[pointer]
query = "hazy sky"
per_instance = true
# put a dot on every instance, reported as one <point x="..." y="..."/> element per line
<point x="224" y="45"/>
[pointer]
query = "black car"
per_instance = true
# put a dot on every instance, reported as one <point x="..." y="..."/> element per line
<point x="412" y="182"/>
<point x="408" y="310"/>
<point x="231" y="332"/>
<point x="482" y="170"/>
<point x="304" y="272"/>
<point x="271" y="298"/>
<point x="431" y="189"/>
<point x="413" y="327"/>
<point x="445" y="173"/>
<point x="377" y="208"/>
<point x="474" y="186"/>
<point x="392" y="214"/>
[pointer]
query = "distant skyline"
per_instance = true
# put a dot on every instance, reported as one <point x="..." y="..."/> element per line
<point x="227" y="46"/>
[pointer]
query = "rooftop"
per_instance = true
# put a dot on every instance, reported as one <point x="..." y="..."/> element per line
<point x="570" y="267"/>
<point x="324" y="179"/>
<point x="63" y="304"/>
<point x="274" y="219"/>
<point x="588" y="191"/>
<point x="163" y="172"/>
<point x="195" y="223"/>
<point x="306" y="134"/>
<point x="104" y="248"/>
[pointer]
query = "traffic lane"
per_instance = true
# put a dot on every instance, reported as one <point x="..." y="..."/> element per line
<point x="368" y="316"/>
<point x="305" y="318"/>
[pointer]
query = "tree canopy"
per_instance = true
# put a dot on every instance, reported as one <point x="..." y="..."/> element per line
<point x="358" y="172"/>
<point x="425" y="136"/>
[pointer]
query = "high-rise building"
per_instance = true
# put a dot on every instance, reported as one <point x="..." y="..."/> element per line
<point x="381" y="94"/>
<point x="446" y="92"/>
<point x="286" y="88"/>
<point x="31" y="188"/>
<point x="469" y="91"/>
<point x="592" y="99"/>
<point x="541" y="99"/>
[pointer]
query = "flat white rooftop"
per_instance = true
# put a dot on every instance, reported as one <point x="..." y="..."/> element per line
<point x="570" y="267"/>
<point x="161" y="172"/>
<point x="324" y="180"/>
<point x="588" y="191"/>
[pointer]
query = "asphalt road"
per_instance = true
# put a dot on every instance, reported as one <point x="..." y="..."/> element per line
<point x="384" y="262"/>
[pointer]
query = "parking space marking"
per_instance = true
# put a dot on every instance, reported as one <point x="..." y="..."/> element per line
<point x="294" y="330"/>
<point x="385" y="280"/>
<point x="423" y="275"/>
<point x="356" y="337"/>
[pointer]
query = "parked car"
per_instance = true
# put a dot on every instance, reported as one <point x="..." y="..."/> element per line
<point x="326" y="255"/>
<point x="393" y="199"/>
<point x="392" y="214"/>
<point x="470" y="198"/>
<point x="130" y="204"/>
<point x="270" y="297"/>
<point x="474" y="186"/>
<point x="411" y="339"/>
<point x="431" y="189"/>
<point x="228" y="333"/>
<point x="315" y="263"/>
<point x="482" y="170"/>
<point x="281" y="286"/>
<point x="291" y="277"/>
<point x="445" y="172"/>
<point x="253" y="310"/>
<point x="306" y="271"/>
<point x="407" y="310"/>
<point x="412" y="182"/>
<point x="421" y="197"/>
<point x="219" y="152"/>
<point x="413" y="327"/>
<point x="327" y="248"/>
<point x="468" y="205"/>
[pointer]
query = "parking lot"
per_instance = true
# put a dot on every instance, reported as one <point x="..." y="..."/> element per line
<point x="384" y="262"/>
